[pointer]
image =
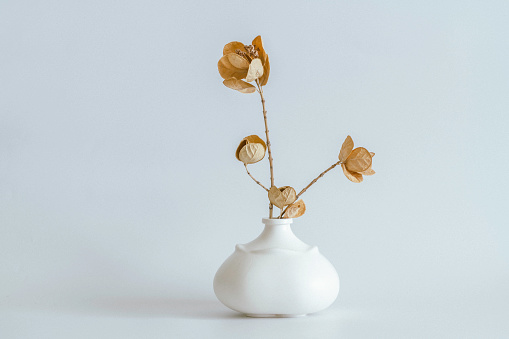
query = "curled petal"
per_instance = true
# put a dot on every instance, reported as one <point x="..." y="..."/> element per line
<point x="346" y="149"/>
<point x="282" y="196"/>
<point x="227" y="70"/>
<point x="239" y="85"/>
<point x="369" y="171"/>
<point x="296" y="209"/>
<point x="352" y="176"/>
<point x="359" y="160"/>
<point x="258" y="44"/>
<point x="232" y="47"/>
<point x="237" y="61"/>
<point x="266" y="71"/>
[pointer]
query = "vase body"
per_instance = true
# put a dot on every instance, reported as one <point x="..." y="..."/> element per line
<point x="276" y="275"/>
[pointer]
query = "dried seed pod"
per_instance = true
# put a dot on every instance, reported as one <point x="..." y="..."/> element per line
<point x="239" y="85"/>
<point x="359" y="160"/>
<point x="296" y="209"/>
<point x="251" y="153"/>
<point x="255" y="70"/>
<point x="251" y="149"/>
<point x="352" y="176"/>
<point x="346" y="149"/>
<point x="282" y="196"/>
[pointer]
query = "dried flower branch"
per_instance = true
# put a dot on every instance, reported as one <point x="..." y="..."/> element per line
<point x="260" y="90"/>
<point x="259" y="183"/>
<point x="316" y="179"/>
<point x="242" y="64"/>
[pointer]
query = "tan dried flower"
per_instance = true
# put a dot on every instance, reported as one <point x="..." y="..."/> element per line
<point x="295" y="210"/>
<point x="355" y="162"/>
<point x="251" y="149"/>
<point x="282" y="196"/>
<point x="249" y="62"/>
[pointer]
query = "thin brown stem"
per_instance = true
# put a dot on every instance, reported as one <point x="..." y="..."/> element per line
<point x="311" y="183"/>
<point x="259" y="183"/>
<point x="260" y="90"/>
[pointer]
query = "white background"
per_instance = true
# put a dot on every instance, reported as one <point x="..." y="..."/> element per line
<point x="120" y="195"/>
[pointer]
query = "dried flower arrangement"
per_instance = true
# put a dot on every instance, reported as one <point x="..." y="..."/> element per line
<point x="242" y="64"/>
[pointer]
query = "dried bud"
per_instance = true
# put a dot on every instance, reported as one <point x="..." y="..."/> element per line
<point x="251" y="149"/>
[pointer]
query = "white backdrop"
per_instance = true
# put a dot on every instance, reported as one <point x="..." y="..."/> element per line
<point x="120" y="195"/>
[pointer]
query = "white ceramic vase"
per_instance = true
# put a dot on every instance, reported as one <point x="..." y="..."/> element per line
<point x="276" y="275"/>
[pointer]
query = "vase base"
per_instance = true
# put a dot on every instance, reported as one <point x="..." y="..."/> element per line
<point x="255" y="315"/>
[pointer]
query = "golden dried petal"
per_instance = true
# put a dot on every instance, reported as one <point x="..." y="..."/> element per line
<point x="359" y="160"/>
<point x="372" y="154"/>
<point x="231" y="47"/>
<point x="258" y="44"/>
<point x="352" y="176"/>
<point x="289" y="194"/>
<point x="280" y="197"/>
<point x="239" y="85"/>
<point x="266" y="71"/>
<point x="250" y="139"/>
<point x="369" y="171"/>
<point x="251" y="153"/>
<point x="255" y="70"/>
<point x="295" y="210"/>
<point x="227" y="70"/>
<point x="237" y="61"/>
<point x="346" y="149"/>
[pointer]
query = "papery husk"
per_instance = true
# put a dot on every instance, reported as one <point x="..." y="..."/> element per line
<point x="282" y="196"/>
<point x="346" y="149"/>
<point x="369" y="171"/>
<point x="227" y="70"/>
<point x="266" y="71"/>
<point x="251" y="153"/>
<point x="295" y="210"/>
<point x="232" y="47"/>
<point x="239" y="85"/>
<point x="238" y="61"/>
<point x="255" y="70"/>
<point x="251" y="139"/>
<point x="258" y="44"/>
<point x="359" y="160"/>
<point x="248" y="140"/>
<point x="352" y="176"/>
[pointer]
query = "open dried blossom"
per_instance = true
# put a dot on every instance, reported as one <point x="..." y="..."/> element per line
<point x="355" y="162"/>
<point x="249" y="62"/>
<point x="251" y="149"/>
<point x="282" y="196"/>
<point x="295" y="210"/>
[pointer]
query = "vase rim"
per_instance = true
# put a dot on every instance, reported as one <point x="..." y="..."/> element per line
<point x="268" y="221"/>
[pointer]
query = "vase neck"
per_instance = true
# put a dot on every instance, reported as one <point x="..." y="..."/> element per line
<point x="277" y="234"/>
